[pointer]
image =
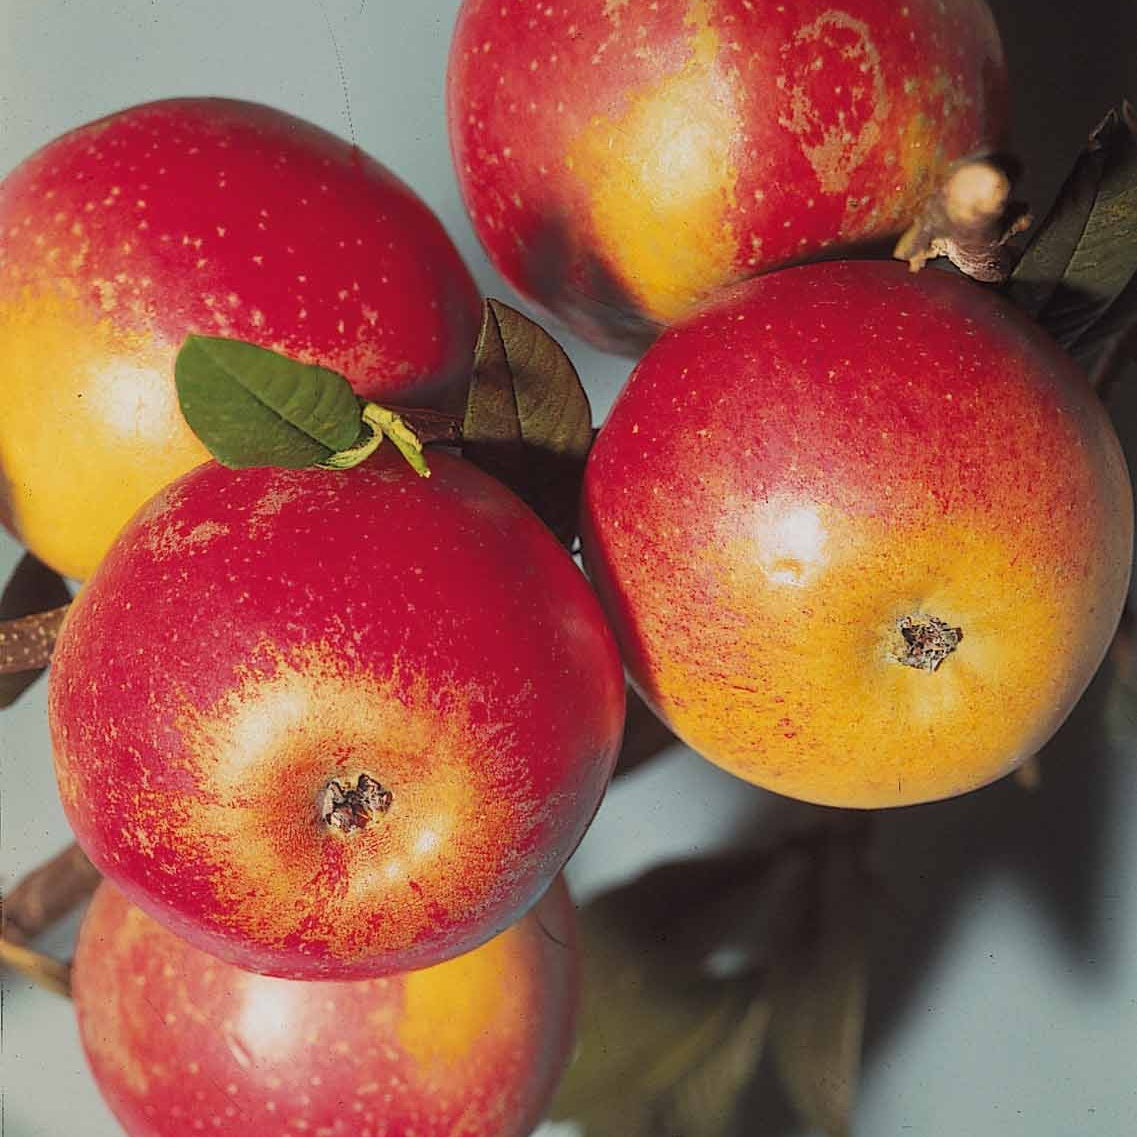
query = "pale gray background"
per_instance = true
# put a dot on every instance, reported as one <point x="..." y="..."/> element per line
<point x="1004" y="998"/>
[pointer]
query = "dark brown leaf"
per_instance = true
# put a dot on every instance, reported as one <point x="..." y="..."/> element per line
<point x="721" y="898"/>
<point x="491" y="431"/>
<point x="1105" y="257"/>
<point x="31" y="588"/>
<point x="26" y="643"/>
<point x="528" y="421"/>
<point x="1121" y="708"/>
<point x="818" y="991"/>
<point x="1123" y="650"/>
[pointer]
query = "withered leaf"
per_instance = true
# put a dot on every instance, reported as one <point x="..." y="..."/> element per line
<point x="818" y="990"/>
<point x="32" y="588"/>
<point x="528" y="421"/>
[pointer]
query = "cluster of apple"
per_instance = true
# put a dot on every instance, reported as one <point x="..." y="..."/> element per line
<point x="342" y="726"/>
<point x="858" y="536"/>
<point x="863" y="535"/>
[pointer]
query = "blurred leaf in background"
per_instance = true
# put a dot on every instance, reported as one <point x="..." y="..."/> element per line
<point x="691" y="966"/>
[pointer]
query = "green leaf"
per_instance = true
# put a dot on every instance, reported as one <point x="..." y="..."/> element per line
<point x="528" y="421"/>
<point x="254" y="407"/>
<point x="32" y="588"/>
<point x="645" y="1025"/>
<point x="818" y="991"/>
<point x="1076" y="276"/>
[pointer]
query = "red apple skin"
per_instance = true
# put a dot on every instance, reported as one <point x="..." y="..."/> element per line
<point x="253" y="635"/>
<point x="820" y="453"/>
<point x="621" y="160"/>
<point x="198" y="215"/>
<point x="180" y="1042"/>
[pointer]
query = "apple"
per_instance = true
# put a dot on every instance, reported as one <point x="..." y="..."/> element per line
<point x="621" y="160"/>
<point x="335" y="724"/>
<point x="200" y="215"/>
<point x="863" y="536"/>
<point x="179" y="1042"/>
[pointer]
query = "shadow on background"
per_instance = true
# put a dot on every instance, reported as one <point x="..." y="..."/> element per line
<point x="929" y="860"/>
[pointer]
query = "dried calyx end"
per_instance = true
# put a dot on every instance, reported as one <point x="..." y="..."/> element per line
<point x="925" y="641"/>
<point x="348" y="808"/>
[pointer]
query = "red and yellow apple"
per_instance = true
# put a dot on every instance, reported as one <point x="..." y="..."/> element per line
<point x="335" y="724"/>
<point x="863" y="536"/>
<point x="621" y="160"/>
<point x="199" y="215"/>
<point x="179" y="1042"/>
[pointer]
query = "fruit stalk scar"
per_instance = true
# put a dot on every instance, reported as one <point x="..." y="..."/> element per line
<point x="969" y="220"/>
<point x="348" y="808"/>
<point x="926" y="641"/>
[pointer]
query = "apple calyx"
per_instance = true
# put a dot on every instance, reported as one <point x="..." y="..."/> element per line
<point x="927" y="641"/>
<point x="350" y="808"/>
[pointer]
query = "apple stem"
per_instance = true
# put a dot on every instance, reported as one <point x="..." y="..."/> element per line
<point x="430" y="425"/>
<point x="349" y="808"/>
<point x="43" y="970"/>
<point x="409" y="428"/>
<point x="382" y="423"/>
<point x="926" y="641"/>
<point x="47" y="894"/>
<point x="26" y="642"/>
